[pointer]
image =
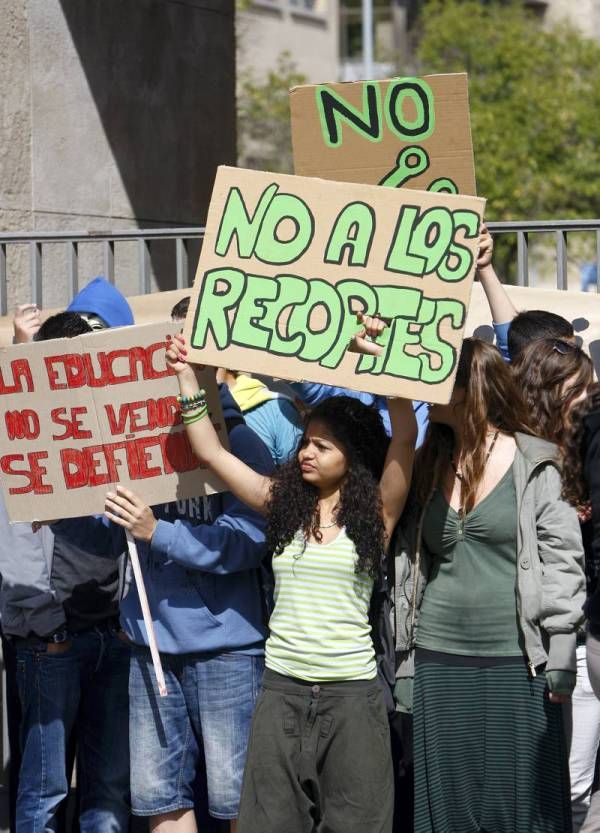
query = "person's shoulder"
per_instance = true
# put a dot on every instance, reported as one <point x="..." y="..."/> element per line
<point x="536" y="450"/>
<point x="282" y="410"/>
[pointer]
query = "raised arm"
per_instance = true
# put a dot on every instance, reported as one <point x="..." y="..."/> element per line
<point x="251" y="488"/>
<point x="501" y="307"/>
<point x="397" y="470"/>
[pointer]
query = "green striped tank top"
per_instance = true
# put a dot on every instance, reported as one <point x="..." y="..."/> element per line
<point x="319" y="629"/>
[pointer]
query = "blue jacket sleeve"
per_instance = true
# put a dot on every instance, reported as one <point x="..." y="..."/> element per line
<point x="422" y="414"/>
<point x="235" y="541"/>
<point x="312" y="393"/>
<point x="501" y="331"/>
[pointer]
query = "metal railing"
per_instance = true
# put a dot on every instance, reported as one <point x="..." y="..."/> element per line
<point x="561" y="229"/>
<point x="73" y="241"/>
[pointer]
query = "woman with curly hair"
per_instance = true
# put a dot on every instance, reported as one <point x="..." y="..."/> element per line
<point x="319" y="753"/>
<point x="553" y="376"/>
<point x="489" y="587"/>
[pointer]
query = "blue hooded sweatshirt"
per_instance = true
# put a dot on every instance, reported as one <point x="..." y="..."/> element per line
<point x="104" y="300"/>
<point x="201" y="567"/>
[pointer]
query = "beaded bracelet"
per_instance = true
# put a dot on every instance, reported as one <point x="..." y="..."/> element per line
<point x="193" y="406"/>
<point x="188" y="419"/>
<point x="190" y="403"/>
<point x="186" y="401"/>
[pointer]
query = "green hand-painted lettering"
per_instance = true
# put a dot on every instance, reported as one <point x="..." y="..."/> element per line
<point x="402" y="304"/>
<point x="270" y="248"/>
<point x="247" y="327"/>
<point x="350" y="291"/>
<point x="399" y="363"/>
<point x="334" y="110"/>
<point x="461" y="255"/>
<point x="432" y="314"/>
<point x="443" y="184"/>
<point x="399" y="258"/>
<point x="213" y="305"/>
<point x="432" y="237"/>
<point x="292" y="290"/>
<point x="410" y="163"/>
<point x="352" y="233"/>
<point x="318" y="342"/>
<point x="418" y="91"/>
<point x="235" y="221"/>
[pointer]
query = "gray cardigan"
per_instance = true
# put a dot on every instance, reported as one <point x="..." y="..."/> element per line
<point x="550" y="575"/>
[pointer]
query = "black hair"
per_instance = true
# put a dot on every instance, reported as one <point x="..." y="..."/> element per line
<point x="62" y="325"/>
<point x="180" y="310"/>
<point x="534" y="324"/>
<point x="294" y="502"/>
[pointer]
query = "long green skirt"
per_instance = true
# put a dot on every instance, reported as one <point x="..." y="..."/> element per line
<point x="490" y="751"/>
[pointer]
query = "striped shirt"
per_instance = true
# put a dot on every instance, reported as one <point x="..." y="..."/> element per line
<point x="319" y="629"/>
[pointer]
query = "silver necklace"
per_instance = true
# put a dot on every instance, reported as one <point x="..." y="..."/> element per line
<point x="327" y="526"/>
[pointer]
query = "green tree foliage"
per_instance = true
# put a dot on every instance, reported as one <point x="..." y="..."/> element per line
<point x="264" y="135"/>
<point x="535" y="105"/>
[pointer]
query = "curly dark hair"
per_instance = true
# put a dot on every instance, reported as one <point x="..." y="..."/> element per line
<point x="294" y="502"/>
<point x="575" y="488"/>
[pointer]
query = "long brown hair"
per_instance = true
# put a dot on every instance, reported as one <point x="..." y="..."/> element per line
<point x="575" y="487"/>
<point x="542" y="370"/>
<point x="491" y="398"/>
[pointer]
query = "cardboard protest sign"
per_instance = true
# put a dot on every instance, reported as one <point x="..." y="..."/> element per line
<point x="80" y="415"/>
<point x="288" y="261"/>
<point x="402" y="132"/>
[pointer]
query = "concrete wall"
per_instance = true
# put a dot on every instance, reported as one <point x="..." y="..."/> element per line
<point x="270" y="27"/>
<point x="114" y="114"/>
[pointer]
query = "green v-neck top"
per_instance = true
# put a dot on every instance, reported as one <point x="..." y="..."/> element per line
<point x="469" y="606"/>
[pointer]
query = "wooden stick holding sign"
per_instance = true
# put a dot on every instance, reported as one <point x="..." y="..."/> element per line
<point x="139" y="580"/>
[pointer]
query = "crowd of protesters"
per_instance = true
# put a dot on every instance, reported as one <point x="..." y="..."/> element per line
<point x="388" y="623"/>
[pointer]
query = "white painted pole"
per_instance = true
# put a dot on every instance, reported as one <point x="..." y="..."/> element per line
<point x="367" y="38"/>
<point x="139" y="580"/>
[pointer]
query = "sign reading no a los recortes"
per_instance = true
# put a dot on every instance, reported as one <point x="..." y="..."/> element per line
<point x="402" y="133"/>
<point x="80" y="415"/>
<point x="288" y="261"/>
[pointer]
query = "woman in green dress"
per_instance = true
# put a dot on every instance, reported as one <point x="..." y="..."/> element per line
<point x="489" y="590"/>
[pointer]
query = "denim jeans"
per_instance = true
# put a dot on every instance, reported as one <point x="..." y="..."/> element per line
<point x="82" y="686"/>
<point x="201" y="726"/>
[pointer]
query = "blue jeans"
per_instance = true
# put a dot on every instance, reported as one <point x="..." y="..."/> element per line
<point x="201" y="725"/>
<point x="82" y="685"/>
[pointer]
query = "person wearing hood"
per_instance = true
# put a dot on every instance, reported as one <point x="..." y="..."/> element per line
<point x="102" y="305"/>
<point x="201" y="561"/>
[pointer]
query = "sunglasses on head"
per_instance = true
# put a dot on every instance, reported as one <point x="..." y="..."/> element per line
<point x="564" y="347"/>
